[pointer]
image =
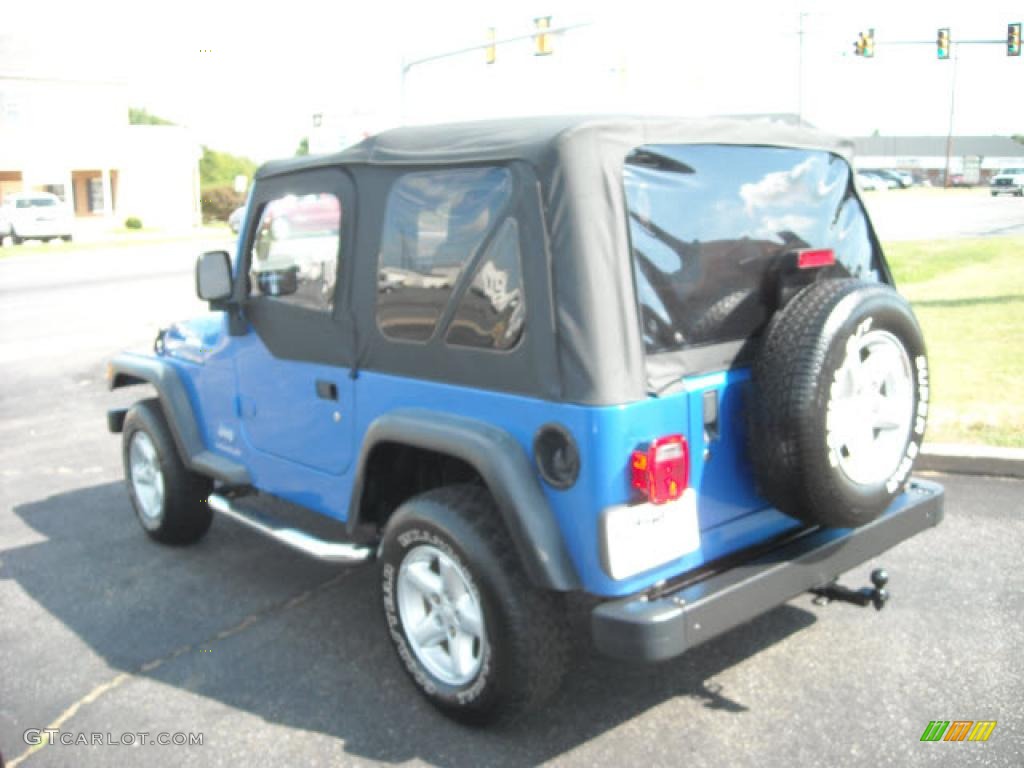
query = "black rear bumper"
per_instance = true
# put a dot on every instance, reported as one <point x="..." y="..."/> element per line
<point x="648" y="628"/>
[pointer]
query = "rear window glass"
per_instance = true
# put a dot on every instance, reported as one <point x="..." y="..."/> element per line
<point x="708" y="223"/>
<point x="434" y="224"/>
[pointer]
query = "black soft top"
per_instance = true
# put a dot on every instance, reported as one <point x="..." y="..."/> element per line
<point x="543" y="141"/>
<point x="579" y="161"/>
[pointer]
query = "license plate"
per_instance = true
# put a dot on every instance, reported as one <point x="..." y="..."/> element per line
<point x="644" y="536"/>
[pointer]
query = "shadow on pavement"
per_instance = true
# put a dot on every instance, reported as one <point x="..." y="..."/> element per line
<point x="322" y="663"/>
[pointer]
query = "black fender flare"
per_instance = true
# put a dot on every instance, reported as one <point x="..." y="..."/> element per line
<point x="128" y="369"/>
<point x="504" y="467"/>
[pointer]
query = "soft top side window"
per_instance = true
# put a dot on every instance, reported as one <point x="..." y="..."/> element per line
<point x="434" y="224"/>
<point x="295" y="253"/>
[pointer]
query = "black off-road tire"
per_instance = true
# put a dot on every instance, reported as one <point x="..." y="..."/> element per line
<point x="794" y="381"/>
<point x="184" y="516"/>
<point x="527" y="634"/>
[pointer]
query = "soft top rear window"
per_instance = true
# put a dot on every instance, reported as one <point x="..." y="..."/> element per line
<point x="708" y="223"/>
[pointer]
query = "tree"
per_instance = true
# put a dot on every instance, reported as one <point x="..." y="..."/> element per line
<point x="303" y="147"/>
<point x="1018" y="137"/>
<point x="140" y="116"/>
<point x="218" y="169"/>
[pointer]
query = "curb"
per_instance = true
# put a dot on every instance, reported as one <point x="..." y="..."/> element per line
<point x="971" y="459"/>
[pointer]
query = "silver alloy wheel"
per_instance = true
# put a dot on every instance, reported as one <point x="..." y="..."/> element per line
<point x="146" y="477"/>
<point x="871" y="408"/>
<point x="441" y="615"/>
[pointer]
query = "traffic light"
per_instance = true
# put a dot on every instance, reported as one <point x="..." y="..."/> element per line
<point x="865" y="44"/>
<point x="869" y="44"/>
<point x="542" y="40"/>
<point x="492" y="48"/>
<point x="942" y="43"/>
<point x="1013" y="39"/>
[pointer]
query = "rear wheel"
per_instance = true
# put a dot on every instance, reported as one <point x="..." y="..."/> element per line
<point x="478" y="641"/>
<point x="169" y="500"/>
<point x="840" y="402"/>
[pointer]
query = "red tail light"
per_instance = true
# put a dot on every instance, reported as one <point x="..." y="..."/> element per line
<point x="662" y="470"/>
<point x="811" y="258"/>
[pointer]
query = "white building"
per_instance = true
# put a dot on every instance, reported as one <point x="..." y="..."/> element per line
<point x="976" y="157"/>
<point x="71" y="136"/>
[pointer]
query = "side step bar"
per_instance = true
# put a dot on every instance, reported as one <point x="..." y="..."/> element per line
<point x="326" y="551"/>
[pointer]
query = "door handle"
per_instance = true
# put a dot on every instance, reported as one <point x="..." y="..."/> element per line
<point x="326" y="390"/>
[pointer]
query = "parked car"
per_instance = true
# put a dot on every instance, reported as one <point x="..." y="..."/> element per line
<point x="868" y="182"/>
<point x="656" y="364"/>
<point x="34" y="215"/>
<point x="1009" y="181"/>
<point x="905" y="178"/>
<point x="882" y="181"/>
<point x="893" y="179"/>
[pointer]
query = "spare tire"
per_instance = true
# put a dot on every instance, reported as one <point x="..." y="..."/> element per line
<point x="839" y="402"/>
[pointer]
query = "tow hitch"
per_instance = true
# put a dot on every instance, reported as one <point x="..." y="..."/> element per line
<point x="835" y="592"/>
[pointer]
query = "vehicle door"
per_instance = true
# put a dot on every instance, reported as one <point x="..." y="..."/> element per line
<point x="295" y="395"/>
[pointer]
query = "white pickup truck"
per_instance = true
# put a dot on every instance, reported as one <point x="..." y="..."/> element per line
<point x="1008" y="181"/>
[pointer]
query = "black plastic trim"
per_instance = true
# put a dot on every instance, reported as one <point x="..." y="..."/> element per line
<point x="115" y="419"/>
<point x="505" y="469"/>
<point x="645" y="629"/>
<point x="128" y="369"/>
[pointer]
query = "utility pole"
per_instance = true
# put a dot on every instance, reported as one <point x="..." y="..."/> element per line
<point x="800" y="72"/>
<point x="952" y="105"/>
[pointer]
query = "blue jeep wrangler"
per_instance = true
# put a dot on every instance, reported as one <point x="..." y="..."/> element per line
<point x="658" y="363"/>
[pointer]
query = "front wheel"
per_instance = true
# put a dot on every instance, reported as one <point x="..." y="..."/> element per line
<point x="478" y="641"/>
<point x="169" y="500"/>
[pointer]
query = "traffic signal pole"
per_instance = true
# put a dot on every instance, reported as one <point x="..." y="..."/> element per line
<point x="952" y="105"/>
<point x="408" y="65"/>
<point x="947" y="49"/>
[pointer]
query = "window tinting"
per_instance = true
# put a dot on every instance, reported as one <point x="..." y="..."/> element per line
<point x="434" y="223"/>
<point x="709" y="222"/>
<point x="492" y="310"/>
<point x="295" y="256"/>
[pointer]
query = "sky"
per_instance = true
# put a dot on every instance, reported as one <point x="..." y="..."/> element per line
<point x="247" y="78"/>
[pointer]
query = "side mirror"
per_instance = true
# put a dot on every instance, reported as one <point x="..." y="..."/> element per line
<point x="213" y="276"/>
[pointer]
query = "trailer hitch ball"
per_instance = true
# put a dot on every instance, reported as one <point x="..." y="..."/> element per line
<point x="879" y="595"/>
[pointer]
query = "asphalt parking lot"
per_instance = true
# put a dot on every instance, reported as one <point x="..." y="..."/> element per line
<point x="928" y="214"/>
<point x="277" y="660"/>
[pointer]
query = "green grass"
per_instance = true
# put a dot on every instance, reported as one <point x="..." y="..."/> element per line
<point x="969" y="298"/>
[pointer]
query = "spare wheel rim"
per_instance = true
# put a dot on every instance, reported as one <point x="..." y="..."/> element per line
<point x="871" y="408"/>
